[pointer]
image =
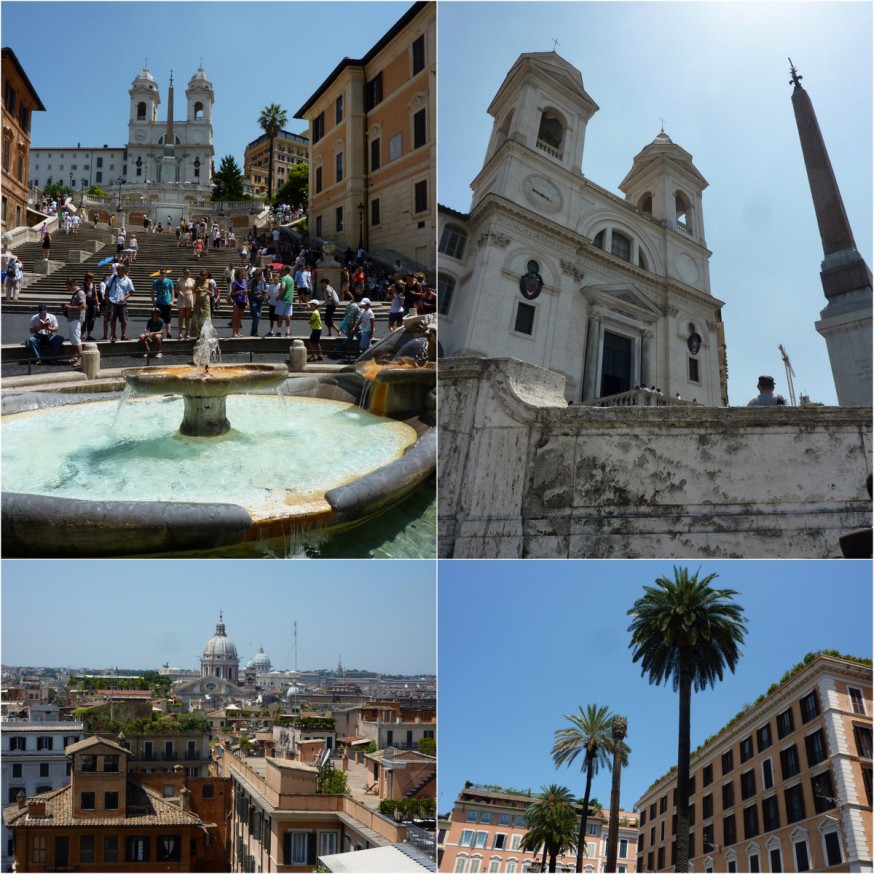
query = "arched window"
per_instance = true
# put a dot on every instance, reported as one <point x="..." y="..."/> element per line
<point x="599" y="240"/>
<point x="621" y="246"/>
<point x="551" y="130"/>
<point x="198" y="111"/>
<point x="504" y="129"/>
<point x="645" y="203"/>
<point x="445" y="291"/>
<point x="452" y="241"/>
<point x="684" y="209"/>
<point x="141" y="110"/>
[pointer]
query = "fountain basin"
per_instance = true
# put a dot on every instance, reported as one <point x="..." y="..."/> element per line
<point x="205" y="390"/>
<point x="78" y="518"/>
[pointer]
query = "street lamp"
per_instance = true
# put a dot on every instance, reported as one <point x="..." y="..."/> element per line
<point x="120" y="182"/>
<point x="360" y="225"/>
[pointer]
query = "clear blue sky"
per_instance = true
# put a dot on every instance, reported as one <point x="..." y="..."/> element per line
<point x="718" y="74"/>
<point x="139" y="614"/>
<point x="522" y="643"/>
<point x="82" y="58"/>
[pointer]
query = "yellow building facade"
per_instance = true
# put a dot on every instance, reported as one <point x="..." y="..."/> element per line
<point x="20" y="101"/>
<point x="373" y="145"/>
<point x="288" y="149"/>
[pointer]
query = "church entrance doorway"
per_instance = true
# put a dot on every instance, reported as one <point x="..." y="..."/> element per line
<point x="616" y="365"/>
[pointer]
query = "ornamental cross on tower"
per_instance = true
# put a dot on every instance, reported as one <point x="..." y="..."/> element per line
<point x="555" y="44"/>
<point x="796" y="79"/>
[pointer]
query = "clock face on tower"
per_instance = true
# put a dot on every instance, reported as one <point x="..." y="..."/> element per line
<point x="542" y="194"/>
<point x="140" y="135"/>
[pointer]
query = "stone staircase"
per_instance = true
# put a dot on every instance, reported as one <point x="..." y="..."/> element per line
<point x="73" y="255"/>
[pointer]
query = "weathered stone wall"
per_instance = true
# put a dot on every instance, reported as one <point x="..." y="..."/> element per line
<point x="524" y="475"/>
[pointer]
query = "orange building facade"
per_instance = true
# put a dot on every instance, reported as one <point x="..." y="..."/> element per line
<point x="784" y="787"/>
<point x="486" y="830"/>
<point x="373" y="145"/>
<point x="20" y="101"/>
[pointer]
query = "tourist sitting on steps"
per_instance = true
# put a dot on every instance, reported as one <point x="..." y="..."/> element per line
<point x="153" y="335"/>
<point x="44" y="338"/>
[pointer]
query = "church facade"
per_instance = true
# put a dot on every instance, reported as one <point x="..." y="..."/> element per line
<point x="550" y="268"/>
<point x="170" y="151"/>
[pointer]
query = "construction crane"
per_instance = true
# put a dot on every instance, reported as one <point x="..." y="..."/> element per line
<point x="789" y="374"/>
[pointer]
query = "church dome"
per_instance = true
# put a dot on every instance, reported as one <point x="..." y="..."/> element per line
<point x="220" y="645"/>
<point x="663" y="139"/>
<point x="145" y="79"/>
<point x="200" y="80"/>
<point x="262" y="661"/>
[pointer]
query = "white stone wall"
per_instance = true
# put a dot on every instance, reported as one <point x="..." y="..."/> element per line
<point x="524" y="475"/>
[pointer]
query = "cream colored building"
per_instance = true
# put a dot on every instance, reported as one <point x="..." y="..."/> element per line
<point x="373" y="145"/>
<point x="288" y="149"/>
<point x="784" y="787"/>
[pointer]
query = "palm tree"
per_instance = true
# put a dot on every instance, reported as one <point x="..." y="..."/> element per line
<point x="589" y="736"/>
<point x="684" y="631"/>
<point x="273" y="119"/>
<point x="552" y="824"/>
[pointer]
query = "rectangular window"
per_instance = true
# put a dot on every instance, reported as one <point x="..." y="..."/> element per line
<point x="419" y="136"/>
<point x="663" y="804"/>
<point x="763" y="737"/>
<point x="653" y="810"/>
<point x="338" y="109"/>
<point x="45" y="743"/>
<point x="754" y="863"/>
<point x="815" y="746"/>
<point x="466" y="839"/>
<point x="727" y="762"/>
<point x="88" y="801"/>
<point x="661" y="858"/>
<point x="857" y="700"/>
<point x="418" y="52"/>
<point x="329" y="843"/>
<point x="110" y="764"/>
<point x="823" y="794"/>
<point x="593" y="829"/>
<point x="707" y="774"/>
<point x="395" y="146"/>
<point x="515" y="841"/>
<point x="524" y="319"/>
<point x="802" y="862"/>
<point x="809" y="707"/>
<point x="43" y="769"/>
<point x="110" y="800"/>
<point x="770" y="814"/>
<point x="373" y="92"/>
<point x="623" y="848"/>
<point x="169" y="848"/>
<point x="789" y="763"/>
<point x="318" y="226"/>
<point x="485" y="816"/>
<point x="374" y="222"/>
<point x="707" y="806"/>
<point x="776" y="861"/>
<point x="499" y="842"/>
<point x="420" y="196"/>
<point x="732" y="867"/>
<point x="727" y="795"/>
<point x="9" y="96"/>
<point x="16" y="772"/>
<point x="481" y="838"/>
<point x="729" y="832"/>
<point x="746" y="749"/>
<point x="833" y="848"/>
<point x="338" y="164"/>
<point x="17" y="743"/>
<point x="375" y="154"/>
<point x="38" y="848"/>
<point x="691" y="814"/>
<point x="136" y="849"/>
<point x="338" y="219"/>
<point x="751" y="822"/>
<point x="318" y="127"/>
<point x="794" y="804"/>
<point x="767" y="774"/>
<point x="747" y="784"/>
<point x="863" y="736"/>
<point x="86" y="848"/>
<point x="318" y="179"/>
<point x="785" y="723"/>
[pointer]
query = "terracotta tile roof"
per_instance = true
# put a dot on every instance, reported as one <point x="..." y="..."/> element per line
<point x="95" y="741"/>
<point x="144" y="808"/>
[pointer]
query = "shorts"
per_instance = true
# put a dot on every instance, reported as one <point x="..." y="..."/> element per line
<point x="165" y="312"/>
<point x="283" y="309"/>
<point x="75" y="332"/>
<point x="118" y="311"/>
<point x="315" y="336"/>
<point x="395" y="318"/>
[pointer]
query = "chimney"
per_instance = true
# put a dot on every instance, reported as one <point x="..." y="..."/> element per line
<point x="185" y="797"/>
<point x="21" y="798"/>
<point x="37" y="809"/>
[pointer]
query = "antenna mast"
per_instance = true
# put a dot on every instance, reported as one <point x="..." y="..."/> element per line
<point x="295" y="645"/>
<point x="789" y="373"/>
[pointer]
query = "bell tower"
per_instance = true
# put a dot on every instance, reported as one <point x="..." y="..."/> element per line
<point x="665" y="184"/>
<point x="144" y="99"/>
<point x="540" y="115"/>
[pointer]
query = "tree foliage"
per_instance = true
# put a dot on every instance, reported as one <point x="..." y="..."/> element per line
<point x="332" y="781"/>
<point x="428" y="746"/>
<point x="272" y="120"/>
<point x="552" y="824"/>
<point x="227" y="181"/>
<point x="296" y="192"/>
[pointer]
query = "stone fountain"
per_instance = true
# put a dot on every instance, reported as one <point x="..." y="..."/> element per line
<point x="205" y="385"/>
